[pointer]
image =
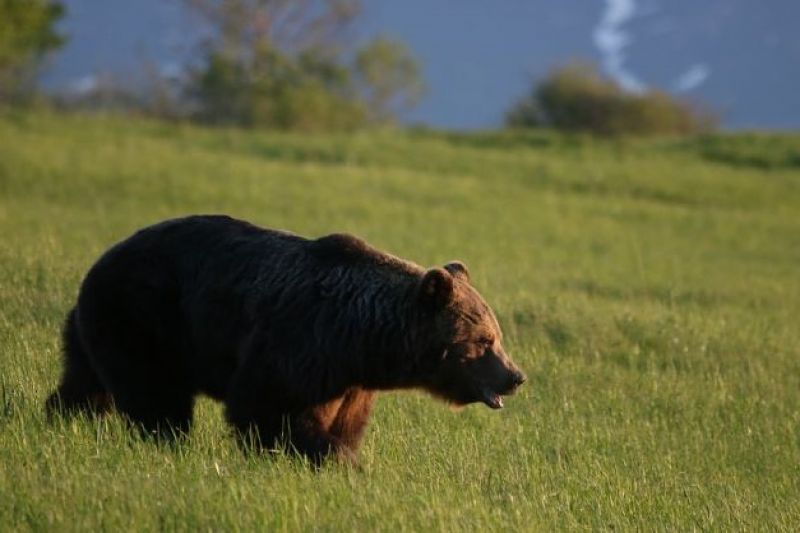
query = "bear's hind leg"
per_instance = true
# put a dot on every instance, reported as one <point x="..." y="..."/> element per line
<point x="142" y="365"/>
<point x="157" y="410"/>
<point x="153" y="392"/>
<point x="80" y="389"/>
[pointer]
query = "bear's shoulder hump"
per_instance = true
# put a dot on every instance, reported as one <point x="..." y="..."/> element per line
<point x="342" y="246"/>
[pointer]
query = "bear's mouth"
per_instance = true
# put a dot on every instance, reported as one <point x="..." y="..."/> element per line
<point x="491" y="398"/>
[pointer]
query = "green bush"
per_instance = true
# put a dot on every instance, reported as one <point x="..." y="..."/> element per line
<point x="578" y="98"/>
<point x="283" y="65"/>
<point x="276" y="91"/>
<point x="27" y="34"/>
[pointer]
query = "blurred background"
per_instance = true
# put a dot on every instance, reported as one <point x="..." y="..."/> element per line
<point x="452" y="64"/>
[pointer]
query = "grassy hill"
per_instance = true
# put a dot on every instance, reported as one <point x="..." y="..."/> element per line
<point x="650" y="289"/>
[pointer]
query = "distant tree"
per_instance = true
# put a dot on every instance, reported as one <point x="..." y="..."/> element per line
<point x="577" y="97"/>
<point x="241" y="27"/>
<point x="284" y="64"/>
<point x="264" y="56"/>
<point x="389" y="78"/>
<point x="27" y="34"/>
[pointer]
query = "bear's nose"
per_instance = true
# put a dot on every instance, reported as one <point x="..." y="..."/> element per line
<point x="519" y="378"/>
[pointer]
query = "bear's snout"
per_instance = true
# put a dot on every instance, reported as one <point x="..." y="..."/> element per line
<point x="512" y="376"/>
<point x="513" y="381"/>
<point x="518" y="377"/>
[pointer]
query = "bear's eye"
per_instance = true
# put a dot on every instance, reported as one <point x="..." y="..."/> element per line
<point x="485" y="342"/>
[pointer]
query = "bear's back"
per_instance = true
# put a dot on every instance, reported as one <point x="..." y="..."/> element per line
<point x="345" y="250"/>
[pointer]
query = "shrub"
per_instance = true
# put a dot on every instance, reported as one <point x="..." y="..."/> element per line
<point x="282" y="64"/>
<point x="578" y="98"/>
<point x="27" y="34"/>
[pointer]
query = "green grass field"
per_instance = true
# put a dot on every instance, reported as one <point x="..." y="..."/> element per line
<point x="650" y="289"/>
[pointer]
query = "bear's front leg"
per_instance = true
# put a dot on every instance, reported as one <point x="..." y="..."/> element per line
<point x="351" y="417"/>
<point x="270" y="404"/>
<point x="299" y="433"/>
<point x="263" y="417"/>
<point x="308" y="436"/>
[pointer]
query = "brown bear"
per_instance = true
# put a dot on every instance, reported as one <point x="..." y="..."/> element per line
<point x="294" y="335"/>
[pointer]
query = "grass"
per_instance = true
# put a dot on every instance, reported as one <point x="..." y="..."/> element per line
<point x="650" y="289"/>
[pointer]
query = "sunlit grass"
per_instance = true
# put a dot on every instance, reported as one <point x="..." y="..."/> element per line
<point x="651" y="294"/>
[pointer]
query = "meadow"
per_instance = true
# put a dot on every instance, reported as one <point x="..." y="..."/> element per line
<point x="649" y="288"/>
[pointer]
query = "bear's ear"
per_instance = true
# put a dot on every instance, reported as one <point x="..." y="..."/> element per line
<point x="458" y="270"/>
<point x="436" y="287"/>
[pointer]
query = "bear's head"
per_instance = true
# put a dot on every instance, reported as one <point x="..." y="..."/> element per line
<point x="464" y="357"/>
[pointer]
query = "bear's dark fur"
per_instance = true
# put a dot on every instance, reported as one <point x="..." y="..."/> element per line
<point x="294" y="335"/>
